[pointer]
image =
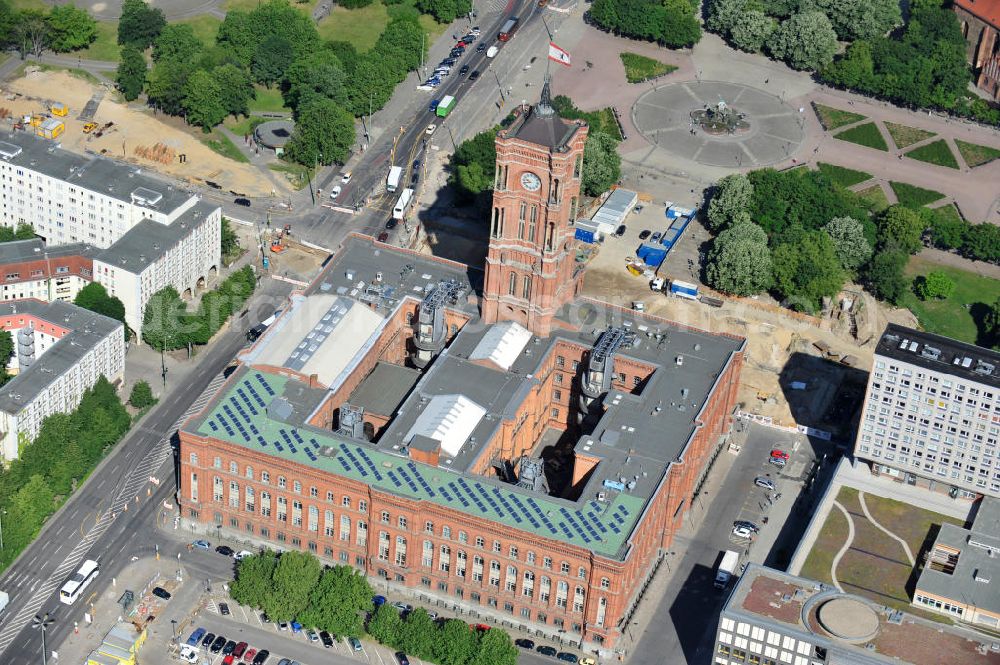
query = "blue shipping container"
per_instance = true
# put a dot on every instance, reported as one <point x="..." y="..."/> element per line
<point x="670" y="237"/>
<point x="584" y="235"/>
<point x="651" y="255"/>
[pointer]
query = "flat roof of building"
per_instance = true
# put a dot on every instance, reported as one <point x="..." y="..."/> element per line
<point x="19" y="251"/>
<point x="87" y="329"/>
<point x="146" y="242"/>
<point x="385" y="388"/>
<point x="813" y="612"/>
<point x="98" y="174"/>
<point x="940" y="354"/>
<point x="977" y="571"/>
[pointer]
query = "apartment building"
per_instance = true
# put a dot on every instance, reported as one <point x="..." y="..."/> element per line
<point x="30" y="269"/>
<point x="931" y="415"/>
<point x="772" y="618"/>
<point x="61" y="351"/>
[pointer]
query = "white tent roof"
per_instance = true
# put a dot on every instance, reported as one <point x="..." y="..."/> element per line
<point x="502" y="344"/>
<point x="449" y="420"/>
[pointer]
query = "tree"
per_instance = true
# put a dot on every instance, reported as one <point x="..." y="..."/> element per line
<point x="445" y="11"/>
<point x="473" y="165"/>
<point x="271" y="59"/>
<point x="884" y="275"/>
<point x="140" y="24"/>
<point x="495" y="648"/>
<point x="230" y="243"/>
<point x="724" y="14"/>
<point x="945" y="231"/>
<point x="293" y="579"/>
<point x="131" y="76"/>
<point x="386" y="625"/>
<point x="97" y="299"/>
<point x="8" y="19"/>
<point x="141" y="395"/>
<point x="236" y="88"/>
<point x="455" y="643"/>
<point x="982" y="243"/>
<point x="6" y="353"/>
<point x="806" y="270"/>
<point x="732" y="195"/>
<point x="163" y="318"/>
<point x="419" y="634"/>
<point x="315" y="74"/>
<point x="252" y="585"/>
<point x="901" y="228"/>
<point x="740" y="261"/>
<point x="861" y="19"/>
<point x="21" y="232"/>
<point x="752" y="30"/>
<point x="70" y="28"/>
<point x="324" y="133"/>
<point x="849" y="241"/>
<point x="602" y="165"/>
<point x="166" y="84"/>
<point x="237" y="35"/>
<point x="991" y="322"/>
<point x="31" y="32"/>
<point x="203" y="100"/>
<point x="337" y="600"/>
<point x="178" y="42"/>
<point x="401" y="43"/>
<point x="679" y="27"/>
<point x="805" y="41"/>
<point x="935" y="284"/>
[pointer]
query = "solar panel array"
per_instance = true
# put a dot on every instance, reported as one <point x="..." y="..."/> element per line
<point x="243" y="418"/>
<point x="315" y="337"/>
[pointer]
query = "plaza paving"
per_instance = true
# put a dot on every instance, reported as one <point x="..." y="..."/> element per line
<point x="663" y="115"/>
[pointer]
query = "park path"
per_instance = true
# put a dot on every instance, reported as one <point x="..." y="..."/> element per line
<point x="906" y="547"/>
<point x="846" y="546"/>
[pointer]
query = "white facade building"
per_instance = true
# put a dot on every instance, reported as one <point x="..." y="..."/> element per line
<point x="931" y="415"/>
<point x="61" y="351"/>
<point x="30" y="269"/>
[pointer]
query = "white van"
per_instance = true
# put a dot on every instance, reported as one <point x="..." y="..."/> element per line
<point x="492" y="51"/>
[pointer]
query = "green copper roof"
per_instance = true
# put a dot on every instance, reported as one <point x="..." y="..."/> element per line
<point x="240" y="416"/>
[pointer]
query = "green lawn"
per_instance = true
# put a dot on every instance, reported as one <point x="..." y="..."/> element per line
<point x="950" y="211"/>
<point x="843" y="176"/>
<point x="105" y="47"/>
<point x="222" y="145"/>
<point x="829" y="541"/>
<point x="360" y="27"/>
<point x="243" y="125"/>
<point x="639" y="68"/>
<point x="912" y="196"/>
<point x="832" y="118"/>
<point x="867" y="135"/>
<point x="205" y="27"/>
<point x="296" y="174"/>
<point x="958" y="315"/>
<point x="937" y="153"/>
<point x="908" y="522"/>
<point x="903" y="135"/>
<point x="875" y="197"/>
<point x="268" y="100"/>
<point x="975" y="154"/>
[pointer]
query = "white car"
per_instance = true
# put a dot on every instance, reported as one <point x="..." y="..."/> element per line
<point x="430" y="129"/>
<point x="242" y="554"/>
<point x="335" y="192"/>
<point x="189" y="654"/>
<point x="346" y="178"/>
<point x="766" y="483"/>
<point x="742" y="532"/>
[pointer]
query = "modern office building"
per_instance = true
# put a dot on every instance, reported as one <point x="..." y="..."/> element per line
<point x="61" y="351"/>
<point x="533" y="470"/>
<point x="30" y="269"/>
<point x="960" y="576"/>
<point x="931" y="415"/>
<point x="772" y="618"/>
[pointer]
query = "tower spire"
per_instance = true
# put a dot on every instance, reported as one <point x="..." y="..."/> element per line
<point x="544" y="107"/>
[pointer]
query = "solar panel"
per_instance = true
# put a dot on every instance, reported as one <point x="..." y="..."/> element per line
<point x="211" y="423"/>
<point x="394" y="479"/>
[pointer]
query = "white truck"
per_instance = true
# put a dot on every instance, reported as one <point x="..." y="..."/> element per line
<point x="403" y="204"/>
<point x="392" y="182"/>
<point x="726" y="569"/>
<point x="4" y="599"/>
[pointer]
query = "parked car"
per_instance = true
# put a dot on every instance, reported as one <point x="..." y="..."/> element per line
<point x="346" y="178"/>
<point x="779" y="454"/>
<point x="475" y="30"/>
<point x="402" y="607"/>
<point x="588" y="661"/>
<point x="217" y="645"/>
<point x="474" y="75"/>
<point x="355" y="643"/>
<point x="240" y="649"/>
<point x="229" y="660"/>
<point x="746" y="523"/>
<point x="777" y="461"/>
<point x="766" y="483"/>
<point x="546" y="650"/>
<point x="645" y="233"/>
<point x="224" y="550"/>
<point x="655" y="237"/>
<point x="568" y="657"/>
<point x="390" y="224"/>
<point x="742" y="532"/>
<point x="261" y="657"/>
<point x="202" y="544"/>
<point x="378" y="600"/>
<point x="525" y="643"/>
<point x="189" y="654"/>
<point x="160" y="592"/>
<point x="209" y="638"/>
<point x="264" y="618"/>
<point x="240" y="201"/>
<point x="402" y="659"/>
<point x="620" y="231"/>
<point x="326" y="638"/>
<point x="433" y="105"/>
<point x="242" y="554"/>
<point x="250" y="654"/>
<point x="224" y="609"/>
<point x="282" y="625"/>
<point x="449" y="61"/>
<point x="383" y="237"/>
<point x="285" y="661"/>
<point x="312" y="635"/>
<point x="229" y="647"/>
<point x="196" y="637"/>
<point x="296" y="627"/>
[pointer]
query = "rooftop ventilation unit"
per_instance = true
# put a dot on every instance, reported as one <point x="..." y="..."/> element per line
<point x="146" y="197"/>
<point x="930" y="352"/>
<point x="984" y="368"/>
<point x="9" y="150"/>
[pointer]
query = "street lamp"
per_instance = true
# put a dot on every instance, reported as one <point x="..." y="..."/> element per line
<point x="41" y="623"/>
<point x="2" y="513"/>
<point x="173" y="626"/>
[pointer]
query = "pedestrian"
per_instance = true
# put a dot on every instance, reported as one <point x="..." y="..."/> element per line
<point x="766" y="80"/>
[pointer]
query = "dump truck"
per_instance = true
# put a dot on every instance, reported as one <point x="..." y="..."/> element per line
<point x="727" y="568"/>
<point x="445" y="107"/>
<point x="88" y="127"/>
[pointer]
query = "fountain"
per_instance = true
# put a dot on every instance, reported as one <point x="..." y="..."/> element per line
<point x="719" y="119"/>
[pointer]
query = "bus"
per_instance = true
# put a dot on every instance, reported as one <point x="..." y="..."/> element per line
<point x="80" y="581"/>
<point x="509" y="28"/>
<point x="403" y="204"/>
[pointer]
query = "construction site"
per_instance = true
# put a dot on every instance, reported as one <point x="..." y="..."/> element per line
<point x="87" y="117"/>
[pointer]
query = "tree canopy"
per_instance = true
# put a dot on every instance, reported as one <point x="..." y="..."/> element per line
<point x="739" y="261"/>
<point x="140" y="24"/>
<point x="670" y="22"/>
<point x="97" y="299"/>
<point x="177" y="42"/>
<point x="806" y="270"/>
<point x="805" y="41"/>
<point x="848" y="235"/>
<point x="324" y="133"/>
<point x="70" y="28"/>
<point x="731" y="197"/>
<point x="131" y="74"/>
<point x="601" y="164"/>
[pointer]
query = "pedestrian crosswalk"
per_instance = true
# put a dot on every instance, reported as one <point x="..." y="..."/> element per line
<point x="131" y="488"/>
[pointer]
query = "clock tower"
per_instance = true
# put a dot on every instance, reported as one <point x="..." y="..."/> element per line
<point x="531" y="269"/>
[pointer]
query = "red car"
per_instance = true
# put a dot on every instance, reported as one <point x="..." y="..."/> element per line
<point x="228" y="660"/>
<point x="239" y="650"/>
<point x="780" y="454"/>
<point x="249" y="654"/>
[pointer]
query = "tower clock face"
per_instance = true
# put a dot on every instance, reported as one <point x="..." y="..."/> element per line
<point x="530" y="181"/>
